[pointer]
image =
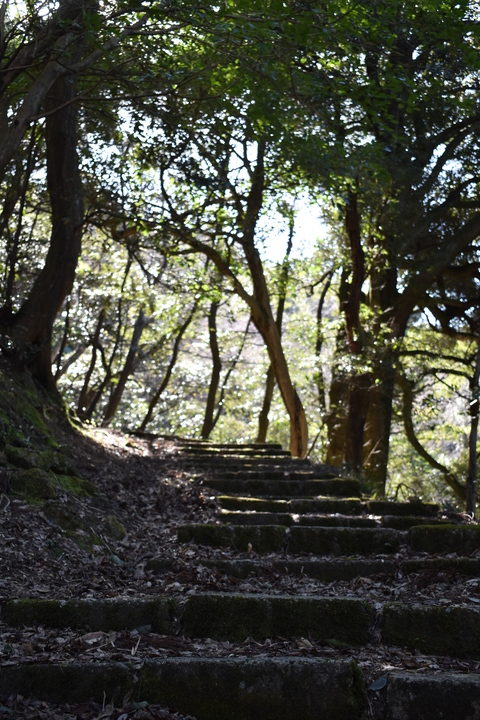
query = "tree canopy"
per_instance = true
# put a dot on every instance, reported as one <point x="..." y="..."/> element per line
<point x="150" y="155"/>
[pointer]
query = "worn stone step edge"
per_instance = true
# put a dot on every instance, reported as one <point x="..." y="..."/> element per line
<point x="298" y="539"/>
<point x="340" y="568"/>
<point x="397" y="522"/>
<point x="251" y="688"/>
<point x="453" y="631"/>
<point x="336" y="487"/>
<point x="347" y="506"/>
<point x="209" y="688"/>
<point x="204" y="444"/>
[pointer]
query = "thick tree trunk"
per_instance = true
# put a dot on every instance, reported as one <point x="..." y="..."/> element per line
<point x="208" y="421"/>
<point x="117" y="393"/>
<point x="32" y="325"/>
<point x="378" y="426"/>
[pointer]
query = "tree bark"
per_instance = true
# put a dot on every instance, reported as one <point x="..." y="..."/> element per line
<point x="32" y="325"/>
<point x="83" y="396"/>
<point x="208" y="424"/>
<point x="471" y="505"/>
<point x="407" y="415"/>
<point x="263" y="419"/>
<point x="118" y="390"/>
<point x="166" y="378"/>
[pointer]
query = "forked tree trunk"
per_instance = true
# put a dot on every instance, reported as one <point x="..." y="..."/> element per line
<point x="127" y="370"/>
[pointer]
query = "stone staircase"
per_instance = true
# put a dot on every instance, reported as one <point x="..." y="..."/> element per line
<point x="303" y="636"/>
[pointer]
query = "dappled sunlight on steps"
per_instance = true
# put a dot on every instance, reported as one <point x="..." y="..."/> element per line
<point x="276" y="514"/>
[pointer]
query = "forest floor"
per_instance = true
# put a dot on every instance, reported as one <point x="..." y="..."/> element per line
<point x="144" y="485"/>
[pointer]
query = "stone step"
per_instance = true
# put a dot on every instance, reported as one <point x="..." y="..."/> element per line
<point x="204" y="444"/>
<point x="283" y="488"/>
<point x="258" y="518"/>
<point x="390" y="507"/>
<point x="244" y="463"/>
<point x="343" y="506"/>
<point x="235" y="452"/>
<point x="452" y="631"/>
<point x="235" y="617"/>
<point x="426" y="696"/>
<point x="244" y="688"/>
<point x="280" y="474"/>
<point x="462" y="539"/>
<point x="253" y="517"/>
<point x="160" y="614"/>
<point x="210" y="688"/>
<point x="346" y="568"/>
<point x="350" y="506"/>
<point x="273" y="538"/>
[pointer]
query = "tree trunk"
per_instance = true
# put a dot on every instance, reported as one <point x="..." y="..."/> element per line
<point x="378" y="425"/>
<point x="32" y="325"/>
<point x="216" y="370"/>
<point x="84" y="394"/>
<point x="117" y="393"/>
<point x="473" y="438"/>
<point x="263" y="420"/>
<point x="166" y="378"/>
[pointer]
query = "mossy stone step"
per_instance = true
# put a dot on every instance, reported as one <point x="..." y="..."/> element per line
<point x="462" y="539"/>
<point x="239" y="452"/>
<point x="279" y="474"/>
<point x="345" y="506"/>
<point x="338" y="487"/>
<point x="235" y="617"/>
<point x="94" y="614"/>
<point x="344" y="541"/>
<point x="346" y="568"/>
<point x="215" y="464"/>
<point x="260" y="538"/>
<point x="185" y="444"/>
<point x="317" y="540"/>
<point x="391" y="507"/>
<point x="438" y="630"/>
<point x="209" y="688"/>
<point x="404" y="522"/>
<point x="332" y="505"/>
<point x="259" y="518"/>
<point x="429" y="696"/>
<point x="324" y="570"/>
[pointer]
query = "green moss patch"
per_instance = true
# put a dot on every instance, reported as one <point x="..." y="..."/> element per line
<point x="33" y="485"/>
<point x="462" y="539"/>
<point x="453" y="631"/>
<point x="236" y="617"/>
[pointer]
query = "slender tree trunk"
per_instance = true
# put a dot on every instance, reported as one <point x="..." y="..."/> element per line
<point x="207" y="426"/>
<point x="85" y="391"/>
<point x="319" y="344"/>
<point x="166" y="378"/>
<point x="226" y="378"/>
<point x="118" y="390"/>
<point x="263" y="420"/>
<point x="32" y="326"/>
<point x="473" y="439"/>
<point x="407" y="415"/>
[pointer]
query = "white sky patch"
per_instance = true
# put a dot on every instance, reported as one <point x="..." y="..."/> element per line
<point x="309" y="227"/>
